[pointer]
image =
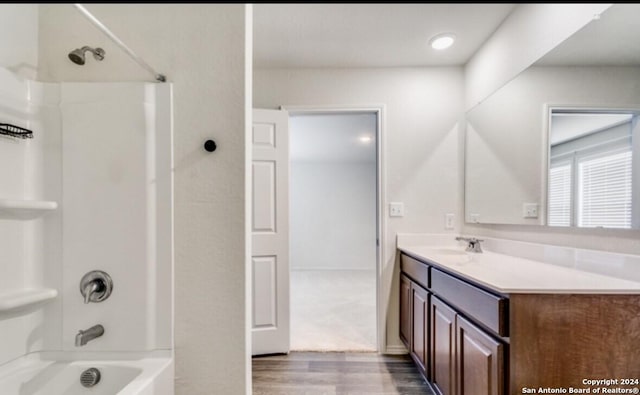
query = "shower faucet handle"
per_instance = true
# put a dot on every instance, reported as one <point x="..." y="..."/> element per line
<point x="91" y="288"/>
<point x="96" y="286"/>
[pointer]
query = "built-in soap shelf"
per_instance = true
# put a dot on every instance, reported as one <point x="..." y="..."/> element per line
<point x="25" y="209"/>
<point x="23" y="299"/>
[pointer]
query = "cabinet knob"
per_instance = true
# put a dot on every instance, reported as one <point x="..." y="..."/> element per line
<point x="210" y="145"/>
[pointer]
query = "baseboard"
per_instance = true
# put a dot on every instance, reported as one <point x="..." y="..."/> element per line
<point x="396" y="350"/>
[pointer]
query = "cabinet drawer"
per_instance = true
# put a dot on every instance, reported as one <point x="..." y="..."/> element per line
<point x="488" y="309"/>
<point x="418" y="271"/>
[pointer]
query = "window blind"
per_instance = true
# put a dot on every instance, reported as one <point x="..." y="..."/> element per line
<point x="604" y="189"/>
<point x="560" y="195"/>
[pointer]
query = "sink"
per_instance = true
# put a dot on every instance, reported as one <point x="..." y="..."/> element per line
<point x="448" y="255"/>
<point x="448" y="251"/>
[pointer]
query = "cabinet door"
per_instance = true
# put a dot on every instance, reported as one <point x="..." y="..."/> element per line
<point x="443" y="363"/>
<point x="405" y="310"/>
<point x="480" y="361"/>
<point x="420" y="325"/>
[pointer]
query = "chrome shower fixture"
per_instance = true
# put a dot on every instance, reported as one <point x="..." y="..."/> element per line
<point x="77" y="55"/>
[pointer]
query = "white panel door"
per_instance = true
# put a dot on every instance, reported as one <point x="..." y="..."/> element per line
<point x="270" y="232"/>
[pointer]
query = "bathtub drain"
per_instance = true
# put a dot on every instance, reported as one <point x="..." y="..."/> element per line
<point x="90" y="377"/>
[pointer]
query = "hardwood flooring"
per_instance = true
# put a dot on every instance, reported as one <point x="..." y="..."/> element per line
<point x="316" y="373"/>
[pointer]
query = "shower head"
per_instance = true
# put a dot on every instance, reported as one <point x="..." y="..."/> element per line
<point x="77" y="55"/>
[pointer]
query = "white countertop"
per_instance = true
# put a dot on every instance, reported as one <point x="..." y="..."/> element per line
<point x="509" y="274"/>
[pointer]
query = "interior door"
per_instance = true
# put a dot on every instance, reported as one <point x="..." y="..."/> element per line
<point x="270" y="232"/>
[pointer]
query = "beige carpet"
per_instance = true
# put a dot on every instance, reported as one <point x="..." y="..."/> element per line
<point x="333" y="310"/>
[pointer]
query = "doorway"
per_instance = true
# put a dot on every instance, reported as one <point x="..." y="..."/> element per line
<point x="334" y="230"/>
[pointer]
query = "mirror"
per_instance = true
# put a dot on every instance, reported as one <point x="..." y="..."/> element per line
<point x="583" y="93"/>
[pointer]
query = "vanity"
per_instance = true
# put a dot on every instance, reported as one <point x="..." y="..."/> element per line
<point x="554" y="152"/>
<point x="491" y="323"/>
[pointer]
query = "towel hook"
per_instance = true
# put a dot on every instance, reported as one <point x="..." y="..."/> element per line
<point x="210" y="146"/>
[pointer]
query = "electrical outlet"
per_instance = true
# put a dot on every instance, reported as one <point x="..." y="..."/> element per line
<point x="530" y="210"/>
<point x="396" y="209"/>
<point x="449" y="221"/>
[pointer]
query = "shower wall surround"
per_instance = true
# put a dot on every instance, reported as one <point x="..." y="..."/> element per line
<point x="102" y="152"/>
<point x="116" y="178"/>
<point x="30" y="250"/>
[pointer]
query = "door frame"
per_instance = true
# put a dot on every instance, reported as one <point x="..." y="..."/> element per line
<point x="381" y="196"/>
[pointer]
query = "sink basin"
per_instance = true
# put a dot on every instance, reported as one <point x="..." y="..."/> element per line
<point x="448" y="251"/>
<point x="448" y="255"/>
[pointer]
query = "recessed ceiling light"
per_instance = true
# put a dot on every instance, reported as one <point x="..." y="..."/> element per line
<point x="442" y="41"/>
<point x="365" y="139"/>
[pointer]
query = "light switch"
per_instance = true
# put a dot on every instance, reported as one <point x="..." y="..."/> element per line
<point x="396" y="209"/>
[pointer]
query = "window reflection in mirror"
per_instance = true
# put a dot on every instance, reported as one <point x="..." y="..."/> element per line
<point x="591" y="176"/>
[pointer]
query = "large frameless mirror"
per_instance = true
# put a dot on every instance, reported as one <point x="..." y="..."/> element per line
<point x="558" y="145"/>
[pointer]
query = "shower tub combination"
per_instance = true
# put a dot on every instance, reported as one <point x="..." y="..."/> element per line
<point x="90" y="192"/>
<point x="86" y="234"/>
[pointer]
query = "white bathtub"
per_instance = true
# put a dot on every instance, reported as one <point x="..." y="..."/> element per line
<point x="59" y="374"/>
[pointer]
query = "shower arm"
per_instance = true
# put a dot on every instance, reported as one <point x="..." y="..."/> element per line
<point x="115" y="39"/>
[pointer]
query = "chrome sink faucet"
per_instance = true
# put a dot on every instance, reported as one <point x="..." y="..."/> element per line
<point x="85" y="336"/>
<point x="474" y="244"/>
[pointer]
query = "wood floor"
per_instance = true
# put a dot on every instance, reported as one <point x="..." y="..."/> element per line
<point x="310" y="373"/>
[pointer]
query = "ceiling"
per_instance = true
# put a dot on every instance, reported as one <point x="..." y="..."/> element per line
<point x="612" y="40"/>
<point x="369" y="35"/>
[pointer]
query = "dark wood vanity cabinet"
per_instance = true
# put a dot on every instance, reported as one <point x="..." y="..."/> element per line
<point x="414" y="311"/>
<point x="479" y="359"/>
<point x="420" y="326"/>
<point x="468" y="340"/>
<point x="464" y="358"/>
<point x="414" y="321"/>
<point x="455" y="356"/>
<point x="443" y="346"/>
<point x="405" y="310"/>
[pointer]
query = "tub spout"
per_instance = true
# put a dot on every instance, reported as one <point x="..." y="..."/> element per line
<point x="83" y="337"/>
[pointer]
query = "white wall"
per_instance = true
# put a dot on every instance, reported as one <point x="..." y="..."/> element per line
<point x="19" y="38"/>
<point x="333" y="215"/>
<point x="422" y="146"/>
<point x="525" y="36"/>
<point x="201" y="49"/>
<point x="507" y="150"/>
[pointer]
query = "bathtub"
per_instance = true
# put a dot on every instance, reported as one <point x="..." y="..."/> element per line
<point x="50" y="373"/>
